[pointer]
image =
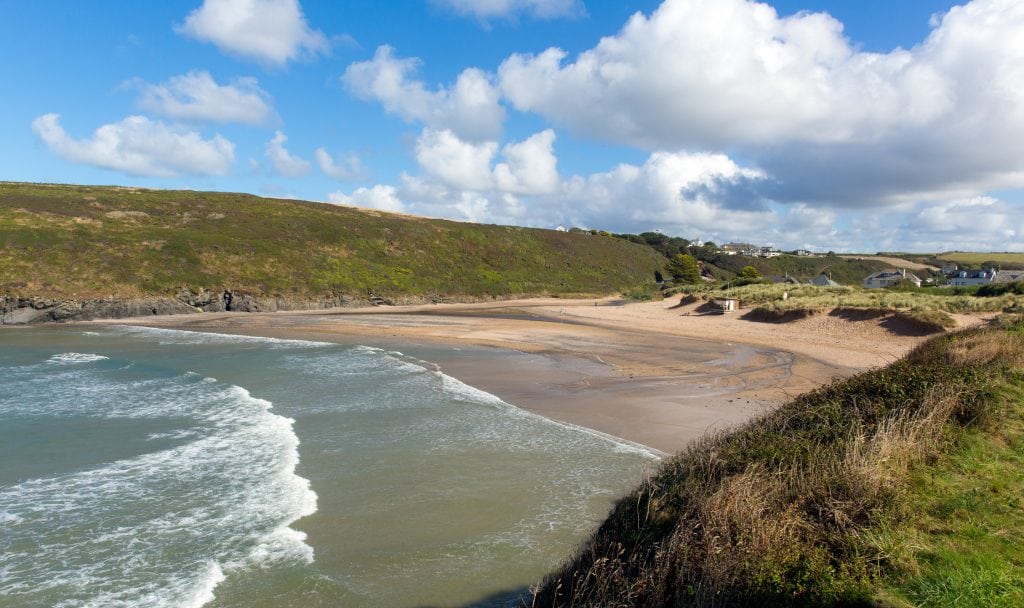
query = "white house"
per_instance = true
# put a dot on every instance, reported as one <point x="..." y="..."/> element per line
<point x="965" y="278"/>
<point x="885" y="278"/>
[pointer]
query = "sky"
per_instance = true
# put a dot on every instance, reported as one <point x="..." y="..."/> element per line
<point x="821" y="124"/>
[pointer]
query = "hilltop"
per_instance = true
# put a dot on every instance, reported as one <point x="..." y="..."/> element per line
<point x="66" y="243"/>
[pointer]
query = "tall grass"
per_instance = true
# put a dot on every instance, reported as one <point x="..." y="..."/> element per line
<point x="812" y="298"/>
<point x="797" y="508"/>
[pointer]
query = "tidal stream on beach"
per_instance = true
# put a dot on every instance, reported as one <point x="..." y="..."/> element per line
<point x="154" y="467"/>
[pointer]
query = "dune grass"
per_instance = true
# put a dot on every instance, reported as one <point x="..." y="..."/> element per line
<point x="931" y="306"/>
<point x="861" y="493"/>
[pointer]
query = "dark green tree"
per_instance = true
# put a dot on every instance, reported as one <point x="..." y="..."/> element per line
<point x="749" y="272"/>
<point x="684" y="269"/>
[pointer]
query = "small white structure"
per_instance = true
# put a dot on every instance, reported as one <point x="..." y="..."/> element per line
<point x="804" y="252"/>
<point x="727" y="305"/>
<point x="885" y="278"/>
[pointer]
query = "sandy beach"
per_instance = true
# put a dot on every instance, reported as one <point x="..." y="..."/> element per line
<point x="652" y="373"/>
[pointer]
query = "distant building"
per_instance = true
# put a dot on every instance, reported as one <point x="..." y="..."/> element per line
<point x="736" y="248"/>
<point x="949" y="269"/>
<point x="824" y="281"/>
<point x="1008" y="276"/>
<point x="804" y="252"/>
<point x="767" y="252"/>
<point x="885" y="278"/>
<point x="966" y="278"/>
<point x="783" y="279"/>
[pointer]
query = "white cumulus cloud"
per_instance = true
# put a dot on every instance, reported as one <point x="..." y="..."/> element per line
<point x="464" y="165"/>
<point x="382" y="197"/>
<point x="196" y="97"/>
<point x="469" y="108"/>
<point x="830" y="123"/>
<point x="349" y="168"/>
<point x="272" y="32"/>
<point x="282" y="160"/>
<point x="141" y="147"/>
<point x="505" y="9"/>
<point x="530" y="166"/>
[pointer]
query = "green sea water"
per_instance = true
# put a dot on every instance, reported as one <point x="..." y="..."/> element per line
<point x="148" y="467"/>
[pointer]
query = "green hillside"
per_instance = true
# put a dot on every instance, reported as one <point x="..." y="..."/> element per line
<point x="898" y="487"/>
<point x="61" y="241"/>
<point x="843" y="271"/>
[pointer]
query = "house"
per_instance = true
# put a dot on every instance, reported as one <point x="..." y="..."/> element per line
<point x="777" y="279"/>
<point x="738" y="248"/>
<point x="824" y="281"/>
<point x="965" y="278"/>
<point x="949" y="269"/>
<point x="1008" y="276"/>
<point x="885" y="278"/>
<point x="767" y="252"/>
<point x="804" y="252"/>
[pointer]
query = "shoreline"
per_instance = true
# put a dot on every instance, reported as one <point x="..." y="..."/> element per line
<point x="646" y="373"/>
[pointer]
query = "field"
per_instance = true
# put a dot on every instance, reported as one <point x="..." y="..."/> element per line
<point x="1015" y="260"/>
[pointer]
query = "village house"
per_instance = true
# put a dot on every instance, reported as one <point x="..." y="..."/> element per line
<point x="1008" y="276"/>
<point x="824" y="281"/>
<point x="886" y="278"/>
<point x="967" y="278"/>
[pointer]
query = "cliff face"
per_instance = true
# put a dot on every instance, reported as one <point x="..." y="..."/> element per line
<point x="26" y="311"/>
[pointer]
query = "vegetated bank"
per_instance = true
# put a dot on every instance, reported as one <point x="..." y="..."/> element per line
<point x="928" y="309"/>
<point x="900" y="486"/>
<point x="73" y="251"/>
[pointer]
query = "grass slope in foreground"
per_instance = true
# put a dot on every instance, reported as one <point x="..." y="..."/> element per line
<point x="902" y="486"/>
<point x="62" y="241"/>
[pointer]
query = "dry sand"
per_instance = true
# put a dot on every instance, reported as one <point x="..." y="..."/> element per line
<point x="645" y="372"/>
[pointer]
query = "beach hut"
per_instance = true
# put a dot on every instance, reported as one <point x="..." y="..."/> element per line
<point x="727" y="305"/>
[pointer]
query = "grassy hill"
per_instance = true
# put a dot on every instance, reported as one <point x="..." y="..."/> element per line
<point x="898" y="487"/>
<point x="844" y="271"/>
<point x="968" y="259"/>
<point x="60" y="241"/>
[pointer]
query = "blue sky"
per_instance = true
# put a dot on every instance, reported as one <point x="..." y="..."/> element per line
<point x="847" y="126"/>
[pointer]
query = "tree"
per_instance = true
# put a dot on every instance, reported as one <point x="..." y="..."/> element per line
<point x="684" y="269"/>
<point x="749" y="272"/>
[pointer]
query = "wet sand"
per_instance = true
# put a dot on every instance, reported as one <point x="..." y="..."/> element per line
<point x="649" y="373"/>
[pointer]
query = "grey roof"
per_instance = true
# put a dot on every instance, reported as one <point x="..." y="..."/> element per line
<point x="1008" y="276"/>
<point x="823" y="281"/>
<point x="886" y="274"/>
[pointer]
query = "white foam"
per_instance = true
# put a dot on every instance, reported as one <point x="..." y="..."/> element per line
<point x="180" y="434"/>
<point x="99" y="537"/>
<point x="72" y="358"/>
<point x="9" y="518"/>
<point x="178" y="336"/>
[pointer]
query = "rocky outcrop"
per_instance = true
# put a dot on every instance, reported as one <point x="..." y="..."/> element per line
<point x="31" y="310"/>
<point x="25" y="311"/>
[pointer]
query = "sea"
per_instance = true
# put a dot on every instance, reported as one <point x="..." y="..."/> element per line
<point x="148" y="467"/>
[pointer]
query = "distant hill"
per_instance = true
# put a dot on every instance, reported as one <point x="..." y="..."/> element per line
<point x="843" y="271"/>
<point x="62" y="241"/>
